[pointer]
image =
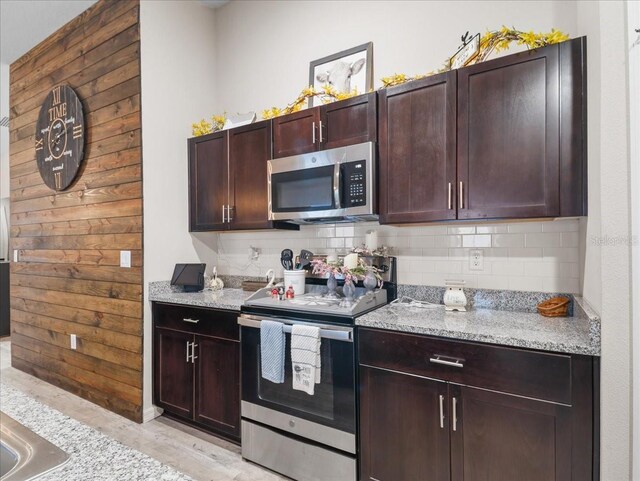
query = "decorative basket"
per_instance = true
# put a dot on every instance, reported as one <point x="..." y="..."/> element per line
<point x="555" y="307"/>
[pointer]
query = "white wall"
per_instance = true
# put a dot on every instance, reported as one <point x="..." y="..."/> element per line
<point x="633" y="21"/>
<point x="264" y="48"/>
<point x="607" y="278"/>
<point x="178" y="78"/>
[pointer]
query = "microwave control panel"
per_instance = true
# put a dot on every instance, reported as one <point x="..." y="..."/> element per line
<point x="355" y="183"/>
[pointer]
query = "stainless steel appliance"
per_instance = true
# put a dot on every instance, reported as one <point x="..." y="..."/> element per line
<point x="308" y="438"/>
<point x="335" y="185"/>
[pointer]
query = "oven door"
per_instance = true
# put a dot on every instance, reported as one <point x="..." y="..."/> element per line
<point x="327" y="416"/>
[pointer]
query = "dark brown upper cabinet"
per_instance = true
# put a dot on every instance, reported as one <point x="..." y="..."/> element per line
<point x="518" y="140"/>
<point x="228" y="180"/>
<point x="337" y="124"/>
<point x="208" y="182"/>
<point x="418" y="150"/>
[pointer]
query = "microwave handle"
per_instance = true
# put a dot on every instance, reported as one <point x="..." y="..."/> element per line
<point x="337" y="182"/>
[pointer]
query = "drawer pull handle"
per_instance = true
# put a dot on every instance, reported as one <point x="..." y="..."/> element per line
<point x="447" y="362"/>
<point x="192" y="321"/>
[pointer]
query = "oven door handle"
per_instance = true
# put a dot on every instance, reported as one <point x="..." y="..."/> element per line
<point x="333" y="334"/>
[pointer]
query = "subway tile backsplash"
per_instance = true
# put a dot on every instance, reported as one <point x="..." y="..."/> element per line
<point x="527" y="256"/>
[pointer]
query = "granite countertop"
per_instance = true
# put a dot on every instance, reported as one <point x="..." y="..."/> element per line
<point x="227" y="298"/>
<point x="576" y="335"/>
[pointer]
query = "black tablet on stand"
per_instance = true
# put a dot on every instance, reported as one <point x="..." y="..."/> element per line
<point x="189" y="276"/>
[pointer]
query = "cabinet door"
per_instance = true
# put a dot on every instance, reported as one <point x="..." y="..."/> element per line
<point x="296" y="133"/>
<point x="208" y="182"/>
<point x="418" y="150"/>
<point x="173" y="372"/>
<point x="249" y="151"/>
<point x="348" y="122"/>
<point x="508" y="136"/>
<point x="404" y="435"/>
<point x="218" y="384"/>
<point x="499" y="437"/>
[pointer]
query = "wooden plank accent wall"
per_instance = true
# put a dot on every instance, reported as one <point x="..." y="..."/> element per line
<point x="68" y="279"/>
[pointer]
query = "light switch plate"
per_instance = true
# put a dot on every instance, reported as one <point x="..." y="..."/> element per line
<point x="74" y="342"/>
<point x="476" y="260"/>
<point x="15" y="255"/>
<point x="125" y="258"/>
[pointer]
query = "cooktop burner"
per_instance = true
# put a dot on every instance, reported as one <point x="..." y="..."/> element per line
<point x="316" y="301"/>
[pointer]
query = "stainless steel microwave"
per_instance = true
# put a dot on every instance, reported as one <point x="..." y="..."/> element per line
<point x="335" y="185"/>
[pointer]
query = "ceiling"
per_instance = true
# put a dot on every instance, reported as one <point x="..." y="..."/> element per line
<point x="25" y="23"/>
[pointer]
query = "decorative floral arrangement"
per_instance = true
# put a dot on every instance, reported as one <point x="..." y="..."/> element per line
<point x="362" y="250"/>
<point x="326" y="95"/>
<point x="321" y="267"/>
<point x="497" y="40"/>
<point x="205" y="127"/>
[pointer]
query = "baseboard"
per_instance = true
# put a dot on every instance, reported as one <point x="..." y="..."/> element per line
<point x="151" y="413"/>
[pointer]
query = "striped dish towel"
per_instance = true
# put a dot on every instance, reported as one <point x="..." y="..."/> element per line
<point x="305" y="357"/>
<point x="272" y="351"/>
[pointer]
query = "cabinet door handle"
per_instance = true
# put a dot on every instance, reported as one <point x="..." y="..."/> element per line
<point x="441" y="399"/>
<point x="449" y="197"/>
<point x="320" y="130"/>
<point x="193" y="321"/>
<point x="223" y="206"/>
<point x="455" y="414"/>
<point x="229" y="218"/>
<point x="461" y="196"/>
<point x="193" y="352"/>
<point x="313" y="132"/>
<point x="187" y="360"/>
<point x="438" y="359"/>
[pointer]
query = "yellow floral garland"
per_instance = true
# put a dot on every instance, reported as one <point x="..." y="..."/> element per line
<point x="205" y="127"/>
<point x="497" y="40"/>
<point x="326" y="95"/>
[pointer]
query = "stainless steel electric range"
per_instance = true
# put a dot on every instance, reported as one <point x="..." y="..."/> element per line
<point x="306" y="437"/>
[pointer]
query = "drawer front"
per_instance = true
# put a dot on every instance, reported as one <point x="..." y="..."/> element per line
<point x="516" y="371"/>
<point x="197" y="320"/>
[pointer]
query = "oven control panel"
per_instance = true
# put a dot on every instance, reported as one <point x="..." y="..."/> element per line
<point x="354" y="175"/>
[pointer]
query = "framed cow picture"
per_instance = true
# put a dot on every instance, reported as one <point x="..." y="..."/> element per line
<point x="345" y="71"/>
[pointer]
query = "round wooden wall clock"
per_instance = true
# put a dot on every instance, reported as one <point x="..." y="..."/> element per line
<point x="59" y="137"/>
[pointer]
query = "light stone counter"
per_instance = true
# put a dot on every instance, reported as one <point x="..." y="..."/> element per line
<point x="575" y="335"/>
<point x="230" y="299"/>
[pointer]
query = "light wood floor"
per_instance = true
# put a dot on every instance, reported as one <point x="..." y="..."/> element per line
<point x="199" y="455"/>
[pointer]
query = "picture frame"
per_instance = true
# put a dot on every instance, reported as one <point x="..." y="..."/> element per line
<point x="346" y="70"/>
<point x="466" y="54"/>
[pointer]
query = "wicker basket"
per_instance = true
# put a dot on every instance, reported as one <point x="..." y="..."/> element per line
<point x="555" y="307"/>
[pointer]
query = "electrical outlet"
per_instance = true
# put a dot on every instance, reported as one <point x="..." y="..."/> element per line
<point x="74" y="342"/>
<point x="476" y="260"/>
<point x="15" y="255"/>
<point x="125" y="258"/>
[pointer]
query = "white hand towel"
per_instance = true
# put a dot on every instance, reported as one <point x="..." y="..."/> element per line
<point x="305" y="357"/>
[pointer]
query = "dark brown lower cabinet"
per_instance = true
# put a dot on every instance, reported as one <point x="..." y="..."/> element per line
<point x="500" y="437"/>
<point x="217" y="384"/>
<point x="196" y="370"/>
<point x="400" y="436"/>
<point x="431" y="411"/>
